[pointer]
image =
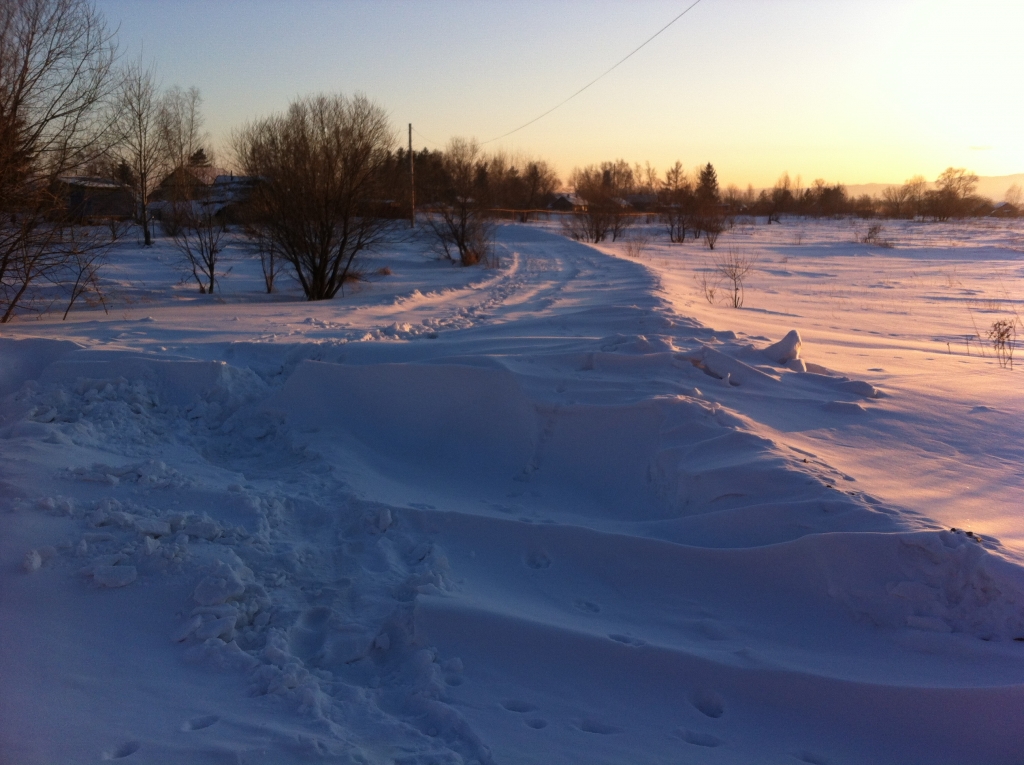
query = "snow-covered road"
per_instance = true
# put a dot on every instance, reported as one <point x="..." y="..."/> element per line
<point x="529" y="514"/>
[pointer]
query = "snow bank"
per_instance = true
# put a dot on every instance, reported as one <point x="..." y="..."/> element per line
<point x="526" y="516"/>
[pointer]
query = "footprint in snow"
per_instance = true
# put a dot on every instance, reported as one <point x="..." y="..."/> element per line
<point x="811" y="758"/>
<point x="538" y="560"/>
<point x="627" y="640"/>
<point x="708" y="703"/>
<point x="309" y="634"/>
<point x="843" y="407"/>
<point x="697" y="738"/>
<point x="595" y="726"/>
<point x="710" y="629"/>
<point x="126" y="749"/>
<point x="537" y="723"/>
<point x="516" y="705"/>
<point x="199" y="723"/>
<point x="588" y="606"/>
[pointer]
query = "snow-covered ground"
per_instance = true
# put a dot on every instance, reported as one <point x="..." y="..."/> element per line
<point x="563" y="510"/>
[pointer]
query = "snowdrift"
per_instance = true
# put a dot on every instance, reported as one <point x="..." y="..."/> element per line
<point x="552" y="531"/>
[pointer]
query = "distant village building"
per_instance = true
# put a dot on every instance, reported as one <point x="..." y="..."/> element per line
<point x="205" y="185"/>
<point x="87" y="197"/>
<point x="568" y="203"/>
<point x="186" y="182"/>
<point x="642" y="202"/>
<point x="1005" y="210"/>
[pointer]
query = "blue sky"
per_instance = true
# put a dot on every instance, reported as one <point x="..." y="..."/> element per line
<point x="851" y="91"/>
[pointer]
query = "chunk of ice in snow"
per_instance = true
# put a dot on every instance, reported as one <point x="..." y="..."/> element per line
<point x="217" y="628"/>
<point x="928" y="623"/>
<point x="787" y="349"/>
<point x="203" y="530"/>
<point x="859" y="388"/>
<point x="187" y="629"/>
<point x="114" y="576"/>
<point x="152" y="527"/>
<point x="33" y="560"/>
<point x="222" y="584"/>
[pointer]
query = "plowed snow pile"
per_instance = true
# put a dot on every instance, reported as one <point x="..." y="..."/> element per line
<point x="531" y="514"/>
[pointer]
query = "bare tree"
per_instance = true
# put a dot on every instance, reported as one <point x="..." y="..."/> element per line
<point x="180" y="121"/>
<point x="677" y="203"/>
<point x="1014" y="196"/>
<point x="139" y="145"/>
<point x="519" y="183"/>
<point x="733" y="266"/>
<point x="190" y="214"/>
<point x="320" y="167"/>
<point x="271" y="261"/>
<point x="86" y="249"/>
<point x="896" y="201"/>
<point x="197" y="237"/>
<point x="708" y="287"/>
<point x="56" y="58"/>
<point x="916" y="188"/>
<point x="461" y="224"/>
<point x="951" y="197"/>
<point x="779" y="200"/>
<point x="713" y="226"/>
<point x="605" y="214"/>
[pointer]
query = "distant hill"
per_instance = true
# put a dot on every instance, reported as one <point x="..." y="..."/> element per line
<point x="992" y="186"/>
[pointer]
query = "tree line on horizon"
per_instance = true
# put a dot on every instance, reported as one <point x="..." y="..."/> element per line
<point x="324" y="181"/>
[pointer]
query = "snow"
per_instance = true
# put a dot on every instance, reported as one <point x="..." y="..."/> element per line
<point x="536" y="513"/>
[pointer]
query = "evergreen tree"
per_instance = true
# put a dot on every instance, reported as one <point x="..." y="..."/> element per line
<point x="707" y="185"/>
<point x="199" y="159"/>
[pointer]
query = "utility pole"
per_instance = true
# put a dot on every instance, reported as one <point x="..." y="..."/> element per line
<point x="412" y="182"/>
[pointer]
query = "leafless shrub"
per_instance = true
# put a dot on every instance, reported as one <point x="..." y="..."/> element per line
<point x="179" y="123"/>
<point x="464" y="236"/>
<point x="461" y="224"/>
<point x="271" y="261"/>
<point x="86" y="249"/>
<point x="605" y="213"/>
<point x="197" y="237"/>
<point x="707" y="285"/>
<point x="734" y="266"/>
<point x="874" y="236"/>
<point x="636" y="245"/>
<point x="676" y="220"/>
<point x="621" y="222"/>
<point x="712" y="226"/>
<point x="138" y="145"/>
<point x="591" y="224"/>
<point x="678" y="203"/>
<point x="321" y="167"/>
<point x="1003" y="337"/>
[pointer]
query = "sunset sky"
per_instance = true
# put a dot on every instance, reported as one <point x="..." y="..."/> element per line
<point x="852" y="91"/>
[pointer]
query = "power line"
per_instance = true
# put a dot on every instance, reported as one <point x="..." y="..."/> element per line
<point x="428" y="140"/>
<point x="599" y="77"/>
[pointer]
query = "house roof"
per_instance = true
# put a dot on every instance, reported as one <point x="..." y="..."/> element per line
<point x="89" y="182"/>
<point x="206" y="175"/>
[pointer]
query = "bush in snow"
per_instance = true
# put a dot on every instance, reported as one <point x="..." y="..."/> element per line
<point x="321" y="168"/>
<point x="460" y="223"/>
<point x="733" y="266"/>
